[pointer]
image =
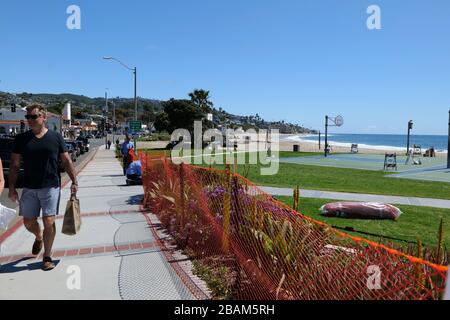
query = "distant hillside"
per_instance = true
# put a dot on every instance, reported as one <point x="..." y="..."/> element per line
<point x="74" y="99"/>
<point x="82" y="106"/>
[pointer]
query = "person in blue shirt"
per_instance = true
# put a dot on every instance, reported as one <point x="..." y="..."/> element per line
<point x="126" y="145"/>
<point x="134" y="171"/>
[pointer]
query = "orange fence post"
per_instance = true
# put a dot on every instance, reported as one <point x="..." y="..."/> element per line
<point x="227" y="210"/>
<point x="181" y="171"/>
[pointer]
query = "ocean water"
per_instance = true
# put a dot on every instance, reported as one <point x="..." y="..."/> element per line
<point x="380" y="141"/>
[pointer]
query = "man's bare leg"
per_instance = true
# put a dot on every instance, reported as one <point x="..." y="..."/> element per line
<point x="32" y="225"/>
<point x="49" y="234"/>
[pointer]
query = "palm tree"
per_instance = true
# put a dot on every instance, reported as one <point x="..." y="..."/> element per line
<point x="201" y="98"/>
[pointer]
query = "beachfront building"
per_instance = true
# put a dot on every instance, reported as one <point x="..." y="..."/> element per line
<point x="12" y="120"/>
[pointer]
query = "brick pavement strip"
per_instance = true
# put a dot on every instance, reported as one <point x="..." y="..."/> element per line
<point x="91" y="251"/>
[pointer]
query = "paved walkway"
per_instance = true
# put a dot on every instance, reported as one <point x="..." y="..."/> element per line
<point x="413" y="201"/>
<point x="120" y="253"/>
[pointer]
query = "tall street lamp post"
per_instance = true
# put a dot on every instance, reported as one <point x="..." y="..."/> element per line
<point x="114" y="122"/>
<point x="135" y="82"/>
<point x="410" y="126"/>
<point x="106" y="118"/>
<point x="135" y="87"/>
<point x="326" y="135"/>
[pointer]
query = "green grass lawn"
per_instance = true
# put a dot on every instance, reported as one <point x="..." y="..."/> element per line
<point x="415" y="222"/>
<point x="347" y="180"/>
<point x="340" y="179"/>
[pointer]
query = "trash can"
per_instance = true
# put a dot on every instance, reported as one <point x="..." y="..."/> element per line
<point x="296" y="148"/>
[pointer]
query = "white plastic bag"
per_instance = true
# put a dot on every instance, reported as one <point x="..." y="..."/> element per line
<point x="7" y="215"/>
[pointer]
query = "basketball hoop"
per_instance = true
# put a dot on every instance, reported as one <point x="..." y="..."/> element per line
<point x="339" y="121"/>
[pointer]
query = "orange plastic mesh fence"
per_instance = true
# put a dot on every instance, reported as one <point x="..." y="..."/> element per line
<point x="265" y="250"/>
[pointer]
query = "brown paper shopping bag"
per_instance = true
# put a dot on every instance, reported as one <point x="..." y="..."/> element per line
<point x="72" y="217"/>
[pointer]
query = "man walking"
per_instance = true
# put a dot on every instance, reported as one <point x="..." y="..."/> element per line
<point x="40" y="149"/>
<point x="126" y="146"/>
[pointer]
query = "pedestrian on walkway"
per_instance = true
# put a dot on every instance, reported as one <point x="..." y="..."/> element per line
<point x="40" y="149"/>
<point x="109" y="144"/>
<point x="126" y="146"/>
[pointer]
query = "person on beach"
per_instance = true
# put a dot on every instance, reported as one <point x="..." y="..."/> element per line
<point x="126" y="146"/>
<point x="40" y="149"/>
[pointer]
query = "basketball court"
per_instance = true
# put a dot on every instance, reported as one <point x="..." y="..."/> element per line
<point x="433" y="169"/>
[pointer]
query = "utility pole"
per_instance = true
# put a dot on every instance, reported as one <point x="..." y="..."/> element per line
<point x="106" y="118"/>
<point x="114" y="122"/>
<point x="135" y="95"/>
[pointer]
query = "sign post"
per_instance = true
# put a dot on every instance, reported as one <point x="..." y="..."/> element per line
<point x="135" y="126"/>
<point x="319" y="140"/>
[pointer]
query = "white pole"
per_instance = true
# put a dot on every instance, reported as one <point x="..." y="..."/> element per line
<point x="106" y="118"/>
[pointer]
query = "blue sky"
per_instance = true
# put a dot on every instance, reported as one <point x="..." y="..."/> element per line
<point x="293" y="60"/>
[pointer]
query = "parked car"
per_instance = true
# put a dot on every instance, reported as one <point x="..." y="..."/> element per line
<point x="72" y="152"/>
<point x="6" y="146"/>
<point x="80" y="145"/>
<point x="76" y="146"/>
<point x="85" y="142"/>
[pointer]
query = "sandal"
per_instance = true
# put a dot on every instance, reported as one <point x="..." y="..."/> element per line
<point x="47" y="264"/>
<point x="37" y="247"/>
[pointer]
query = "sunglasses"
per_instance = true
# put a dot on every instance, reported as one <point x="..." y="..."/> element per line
<point x="31" y="116"/>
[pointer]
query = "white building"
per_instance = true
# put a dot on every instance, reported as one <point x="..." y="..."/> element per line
<point x="15" y="122"/>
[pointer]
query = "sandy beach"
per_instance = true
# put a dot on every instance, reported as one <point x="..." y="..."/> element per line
<point x="287" y="144"/>
<point x="313" y="146"/>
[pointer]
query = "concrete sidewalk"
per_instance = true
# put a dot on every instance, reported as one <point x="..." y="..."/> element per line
<point x="413" y="201"/>
<point x="120" y="253"/>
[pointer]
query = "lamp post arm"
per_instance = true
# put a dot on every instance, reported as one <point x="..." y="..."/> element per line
<point x="123" y="64"/>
